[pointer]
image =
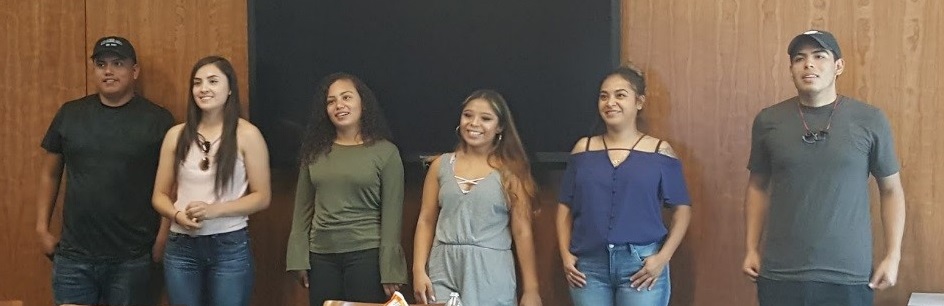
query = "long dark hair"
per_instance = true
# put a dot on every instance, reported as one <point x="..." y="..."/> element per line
<point x="508" y="156"/>
<point x="637" y="80"/>
<point x="321" y="132"/>
<point x="226" y="155"/>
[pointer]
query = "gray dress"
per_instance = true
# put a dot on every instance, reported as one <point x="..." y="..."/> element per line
<point x="471" y="252"/>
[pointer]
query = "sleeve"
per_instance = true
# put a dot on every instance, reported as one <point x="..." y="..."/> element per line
<point x="296" y="257"/>
<point x="392" y="258"/>
<point x="882" y="158"/>
<point x="166" y="122"/>
<point x="568" y="182"/>
<point x="760" y="158"/>
<point x="52" y="142"/>
<point x="672" y="187"/>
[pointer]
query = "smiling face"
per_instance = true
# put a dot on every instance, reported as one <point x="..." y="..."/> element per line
<point x="814" y="69"/>
<point x="618" y="102"/>
<point x="479" y="124"/>
<point x="343" y="104"/>
<point x="211" y="87"/>
<point x="115" y="75"/>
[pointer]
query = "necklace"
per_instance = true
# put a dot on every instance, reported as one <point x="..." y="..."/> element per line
<point x="204" y="146"/>
<point x="811" y="136"/>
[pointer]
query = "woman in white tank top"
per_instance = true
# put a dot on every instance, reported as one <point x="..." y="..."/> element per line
<point x="213" y="173"/>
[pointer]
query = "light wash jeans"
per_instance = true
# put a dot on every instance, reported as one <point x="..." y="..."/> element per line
<point x="608" y="273"/>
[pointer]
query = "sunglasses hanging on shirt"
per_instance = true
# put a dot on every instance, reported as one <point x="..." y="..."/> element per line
<point x="204" y="146"/>
<point x="811" y="136"/>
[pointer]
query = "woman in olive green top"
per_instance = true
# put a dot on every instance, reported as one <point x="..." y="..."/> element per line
<point x="345" y="237"/>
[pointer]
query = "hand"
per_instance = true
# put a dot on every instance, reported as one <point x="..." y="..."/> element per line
<point x="751" y="266"/>
<point x="423" y="289"/>
<point x="199" y="211"/>
<point x="574" y="277"/>
<point x="530" y="299"/>
<point x="885" y="275"/>
<point x="389" y="289"/>
<point x="648" y="276"/>
<point x="181" y="218"/>
<point x="157" y="251"/>
<point x="47" y="243"/>
<point x="302" y="276"/>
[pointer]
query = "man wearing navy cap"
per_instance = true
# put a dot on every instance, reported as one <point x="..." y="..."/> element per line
<point x="108" y="145"/>
<point x="808" y="194"/>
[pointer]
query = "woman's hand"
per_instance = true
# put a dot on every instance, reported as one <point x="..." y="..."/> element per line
<point x="530" y="299"/>
<point x="574" y="277"/>
<point x="423" y="289"/>
<point x="649" y="274"/>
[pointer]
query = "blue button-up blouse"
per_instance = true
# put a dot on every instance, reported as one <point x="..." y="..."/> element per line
<point x="621" y="204"/>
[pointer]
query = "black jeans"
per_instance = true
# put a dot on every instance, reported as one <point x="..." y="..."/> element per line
<point x="352" y="276"/>
<point x="797" y="293"/>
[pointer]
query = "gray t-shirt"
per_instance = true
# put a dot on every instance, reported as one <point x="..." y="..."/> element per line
<point x="818" y="225"/>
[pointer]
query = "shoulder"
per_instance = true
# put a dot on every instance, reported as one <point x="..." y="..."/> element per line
<point x="150" y="106"/>
<point x="245" y="129"/>
<point x="79" y="103"/>
<point x="383" y="145"/>
<point x="655" y="145"/>
<point x="581" y="145"/>
<point x="174" y="131"/>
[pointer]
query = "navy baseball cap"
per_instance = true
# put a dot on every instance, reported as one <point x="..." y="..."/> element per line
<point x="115" y="45"/>
<point x="823" y="38"/>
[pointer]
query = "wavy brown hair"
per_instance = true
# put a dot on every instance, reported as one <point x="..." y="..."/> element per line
<point x="226" y="155"/>
<point x="508" y="155"/>
<point x="321" y="132"/>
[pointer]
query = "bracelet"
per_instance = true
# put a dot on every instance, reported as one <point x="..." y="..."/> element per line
<point x="175" y="216"/>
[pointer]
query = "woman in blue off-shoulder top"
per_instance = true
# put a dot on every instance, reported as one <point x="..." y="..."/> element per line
<point x="613" y="242"/>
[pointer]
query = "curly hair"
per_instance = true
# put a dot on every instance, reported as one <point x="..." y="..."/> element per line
<point x="321" y="132"/>
<point x="508" y="156"/>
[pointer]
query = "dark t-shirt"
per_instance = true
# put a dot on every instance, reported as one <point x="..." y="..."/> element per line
<point x="818" y="224"/>
<point x="110" y="156"/>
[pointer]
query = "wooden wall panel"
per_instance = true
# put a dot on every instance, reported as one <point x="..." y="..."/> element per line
<point x="169" y="37"/>
<point x="714" y="65"/>
<point x="42" y="50"/>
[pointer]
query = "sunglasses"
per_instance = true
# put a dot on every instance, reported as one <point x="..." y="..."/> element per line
<point x="813" y="137"/>
<point x="204" y="146"/>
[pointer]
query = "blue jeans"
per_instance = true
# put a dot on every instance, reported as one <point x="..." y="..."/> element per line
<point x="209" y="270"/>
<point x="128" y="282"/>
<point x="608" y="275"/>
<point x="799" y="293"/>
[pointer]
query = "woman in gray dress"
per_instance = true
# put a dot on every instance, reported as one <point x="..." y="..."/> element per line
<point x="476" y="201"/>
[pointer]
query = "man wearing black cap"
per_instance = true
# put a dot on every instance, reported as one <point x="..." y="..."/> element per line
<point x="108" y="143"/>
<point x="808" y="193"/>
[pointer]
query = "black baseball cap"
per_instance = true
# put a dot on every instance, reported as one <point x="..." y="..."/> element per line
<point x="116" y="45"/>
<point x="823" y="38"/>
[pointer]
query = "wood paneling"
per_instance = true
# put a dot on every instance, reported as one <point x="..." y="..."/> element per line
<point x="169" y="37"/>
<point x="711" y="65"/>
<point x="43" y="53"/>
<point x="714" y="65"/>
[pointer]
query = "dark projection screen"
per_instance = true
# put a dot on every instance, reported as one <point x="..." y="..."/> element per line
<point x="423" y="57"/>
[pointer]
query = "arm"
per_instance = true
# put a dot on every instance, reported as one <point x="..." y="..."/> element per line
<point x="425" y="232"/>
<point x="565" y="222"/>
<point x="654" y="265"/>
<point x="296" y="255"/>
<point x="392" y="259"/>
<point x="164" y="182"/>
<point x="893" y="221"/>
<point x="524" y="244"/>
<point x="49" y="178"/>
<point x="256" y="158"/>
<point x="756" y="203"/>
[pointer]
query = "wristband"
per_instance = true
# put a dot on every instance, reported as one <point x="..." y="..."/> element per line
<point x="175" y="216"/>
